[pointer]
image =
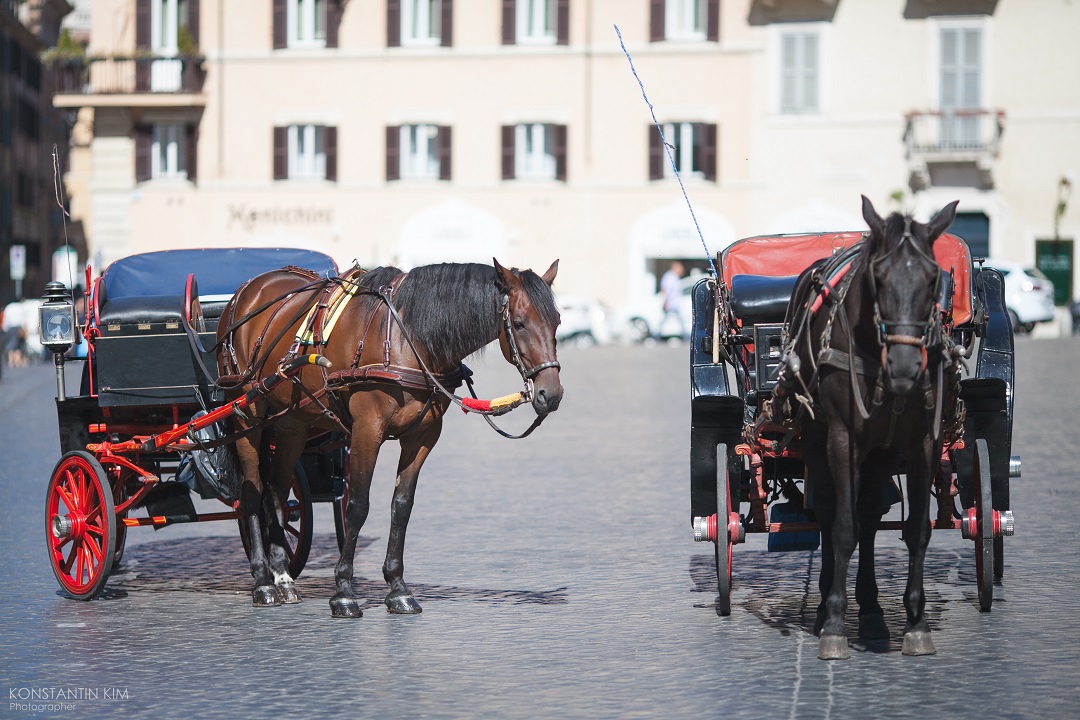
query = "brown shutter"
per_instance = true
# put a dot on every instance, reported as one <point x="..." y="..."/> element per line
<point x="507" y="152"/>
<point x="656" y="155"/>
<point x="393" y="23"/>
<point x="447" y="23"/>
<point x="442" y="147"/>
<point x="708" y="150"/>
<point x="281" y="153"/>
<point x="280" y="25"/>
<point x="193" y="20"/>
<point x="330" y="147"/>
<point x="712" y="21"/>
<point x="559" y="150"/>
<point x="142" y="42"/>
<point x="142" y="24"/>
<point x="393" y="152"/>
<point x="143" y="140"/>
<point x="333" y="21"/>
<point x="509" y="22"/>
<point x="656" y="20"/>
<point x="562" y="22"/>
<point x="192" y="142"/>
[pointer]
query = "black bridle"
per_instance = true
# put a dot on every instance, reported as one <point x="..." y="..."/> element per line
<point x="527" y="374"/>
<point x="887" y="339"/>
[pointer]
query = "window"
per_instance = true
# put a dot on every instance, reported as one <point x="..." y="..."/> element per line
<point x="961" y="81"/>
<point x="167" y="154"/>
<point x="685" y="20"/>
<point x="421" y="22"/>
<point x="799" y="76"/>
<point x="536" y="22"/>
<point x="306" y="23"/>
<point x="165" y="29"/>
<point x="693" y="151"/>
<point x="165" y="75"/>
<point x="534" y="151"/>
<point x="305" y="152"/>
<point x="418" y="152"/>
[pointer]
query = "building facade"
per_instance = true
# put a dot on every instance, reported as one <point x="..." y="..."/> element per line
<point x="31" y="220"/>
<point x="416" y="131"/>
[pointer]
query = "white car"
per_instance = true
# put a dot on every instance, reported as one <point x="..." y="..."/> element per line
<point x="1029" y="295"/>
<point x="585" y="321"/>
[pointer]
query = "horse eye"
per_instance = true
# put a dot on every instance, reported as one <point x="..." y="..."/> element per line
<point x="519" y="324"/>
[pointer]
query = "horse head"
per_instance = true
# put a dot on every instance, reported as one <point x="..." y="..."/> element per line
<point x="905" y="284"/>
<point x="529" y="318"/>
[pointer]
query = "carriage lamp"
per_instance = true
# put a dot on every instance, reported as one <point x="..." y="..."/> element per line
<point x="57" y="327"/>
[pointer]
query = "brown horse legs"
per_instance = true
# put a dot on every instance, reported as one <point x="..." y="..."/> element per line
<point x="414" y="452"/>
<point x="362" y="457"/>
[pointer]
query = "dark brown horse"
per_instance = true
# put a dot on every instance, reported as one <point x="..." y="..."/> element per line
<point x="387" y="345"/>
<point x="873" y="356"/>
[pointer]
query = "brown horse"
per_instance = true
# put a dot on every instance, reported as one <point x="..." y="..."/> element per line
<point x="396" y="335"/>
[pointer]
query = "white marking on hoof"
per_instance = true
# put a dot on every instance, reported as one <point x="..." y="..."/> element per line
<point x="282" y="578"/>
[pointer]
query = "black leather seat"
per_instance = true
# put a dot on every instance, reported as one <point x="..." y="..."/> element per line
<point x="761" y="298"/>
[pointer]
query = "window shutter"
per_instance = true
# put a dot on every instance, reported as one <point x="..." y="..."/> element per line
<point x="442" y="147"/>
<point x="143" y="140"/>
<point x="656" y="155"/>
<point x="809" y="100"/>
<point x="333" y="21"/>
<point x="393" y="152"/>
<point x="708" y="150"/>
<point x="330" y="148"/>
<point x="712" y="21"/>
<point x="656" y="20"/>
<point x="281" y="153"/>
<point x="447" y="23"/>
<point x="507" y="152"/>
<point x="142" y="42"/>
<point x="142" y="24"/>
<point x="191" y="146"/>
<point x="559" y="151"/>
<point x="280" y="25"/>
<point x="393" y="23"/>
<point x="193" y="20"/>
<point x="562" y="22"/>
<point x="509" y="22"/>
<point x="788" y="67"/>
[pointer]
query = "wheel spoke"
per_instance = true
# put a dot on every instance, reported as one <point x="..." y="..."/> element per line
<point x="65" y="567"/>
<point x="65" y="497"/>
<point x="94" y="548"/>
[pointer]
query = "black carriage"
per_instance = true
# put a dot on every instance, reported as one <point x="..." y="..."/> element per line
<point x="747" y="473"/>
<point x="137" y="439"/>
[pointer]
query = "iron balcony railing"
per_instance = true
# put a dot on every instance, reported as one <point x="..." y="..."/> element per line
<point x="970" y="133"/>
<point x="118" y="75"/>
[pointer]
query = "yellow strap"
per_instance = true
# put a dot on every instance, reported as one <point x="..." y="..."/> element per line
<point x="339" y="298"/>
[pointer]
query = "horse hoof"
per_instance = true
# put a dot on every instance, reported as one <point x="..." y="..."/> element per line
<point x="833" y="647"/>
<point x="919" y="643"/>
<point x="266" y="596"/>
<point x="345" y="607"/>
<point x="873" y="627"/>
<point x="402" y="604"/>
<point x="289" y="594"/>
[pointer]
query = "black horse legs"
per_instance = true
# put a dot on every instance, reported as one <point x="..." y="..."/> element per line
<point x="917" y="537"/>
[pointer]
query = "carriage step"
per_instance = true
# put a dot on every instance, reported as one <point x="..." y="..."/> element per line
<point x="789" y="512"/>
<point x="169" y="499"/>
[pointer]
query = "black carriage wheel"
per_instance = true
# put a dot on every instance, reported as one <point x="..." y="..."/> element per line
<point x="999" y="557"/>
<point x="298" y="524"/>
<point x="723" y="538"/>
<point x="984" y="520"/>
<point x="80" y="525"/>
<point x="119" y="495"/>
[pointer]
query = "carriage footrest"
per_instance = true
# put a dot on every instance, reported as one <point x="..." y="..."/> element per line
<point x="168" y="499"/>
<point x="789" y="512"/>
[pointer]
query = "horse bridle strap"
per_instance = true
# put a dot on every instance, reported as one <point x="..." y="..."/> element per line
<point x="515" y="354"/>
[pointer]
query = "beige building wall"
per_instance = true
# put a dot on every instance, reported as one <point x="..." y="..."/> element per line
<point x="775" y="172"/>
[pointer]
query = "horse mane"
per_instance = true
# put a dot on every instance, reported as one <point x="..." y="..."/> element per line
<point x="452" y="309"/>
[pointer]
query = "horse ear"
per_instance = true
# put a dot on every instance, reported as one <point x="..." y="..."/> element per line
<point x="504" y="279"/>
<point x="942" y="220"/>
<point x="549" y="276"/>
<point x="877" y="225"/>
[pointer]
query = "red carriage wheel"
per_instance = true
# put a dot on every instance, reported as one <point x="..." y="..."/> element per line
<point x="723" y="536"/>
<point x="80" y="525"/>
<point x="297" y="526"/>
<point x="984" y="521"/>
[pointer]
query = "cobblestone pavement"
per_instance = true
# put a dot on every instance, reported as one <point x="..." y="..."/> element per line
<point x="559" y="579"/>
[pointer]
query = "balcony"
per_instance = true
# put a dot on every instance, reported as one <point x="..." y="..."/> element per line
<point x="119" y="81"/>
<point x="955" y="145"/>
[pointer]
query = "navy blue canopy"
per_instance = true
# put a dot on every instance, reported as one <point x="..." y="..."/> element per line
<point x="219" y="271"/>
